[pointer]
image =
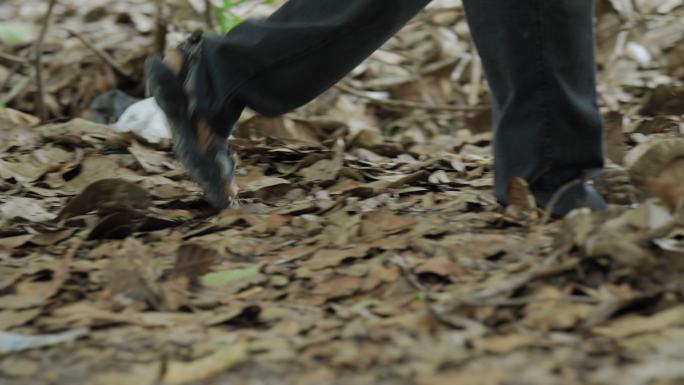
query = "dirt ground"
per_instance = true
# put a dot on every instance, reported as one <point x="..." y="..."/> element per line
<point x="367" y="248"/>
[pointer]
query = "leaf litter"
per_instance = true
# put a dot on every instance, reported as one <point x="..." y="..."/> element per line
<point x="368" y="248"/>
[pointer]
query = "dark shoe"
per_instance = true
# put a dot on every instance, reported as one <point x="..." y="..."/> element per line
<point x="200" y="148"/>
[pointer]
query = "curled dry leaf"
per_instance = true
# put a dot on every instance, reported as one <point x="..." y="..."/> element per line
<point x="441" y="266"/>
<point x="106" y="196"/>
<point x="650" y="159"/>
<point x="193" y="261"/>
<point x="518" y="194"/>
<point x="221" y="360"/>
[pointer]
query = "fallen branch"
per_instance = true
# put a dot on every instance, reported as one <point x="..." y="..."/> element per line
<point x="556" y="198"/>
<point x="407" y="104"/>
<point x="161" y="29"/>
<point x="38" y="61"/>
<point x="102" y="55"/>
<point x="62" y="271"/>
<point x="487" y="295"/>
<point x="208" y="14"/>
<point x="15" y="91"/>
<point x="9" y="60"/>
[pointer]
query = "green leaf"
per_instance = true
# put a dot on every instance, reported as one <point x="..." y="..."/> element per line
<point x="16" y="33"/>
<point x="226" y="18"/>
<point x="420" y="297"/>
<point x="227" y="277"/>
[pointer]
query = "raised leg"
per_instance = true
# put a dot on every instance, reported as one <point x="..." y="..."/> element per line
<point x="282" y="62"/>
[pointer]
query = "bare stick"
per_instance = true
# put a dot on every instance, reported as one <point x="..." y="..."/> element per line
<point x="8" y="59"/>
<point x="407" y="104"/>
<point x="556" y="198"/>
<point x="15" y="91"/>
<point x="40" y="97"/>
<point x="102" y="55"/>
<point x="62" y="271"/>
<point x="161" y="30"/>
<point x="511" y="285"/>
<point x="515" y="283"/>
<point x="8" y="79"/>
<point x="208" y="14"/>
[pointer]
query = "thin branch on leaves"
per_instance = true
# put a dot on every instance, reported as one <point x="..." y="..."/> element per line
<point x="7" y="59"/>
<point x="209" y="14"/>
<point x="404" y="104"/>
<point x="161" y="29"/>
<point x="116" y="67"/>
<point x="38" y="61"/>
<point x="509" y="286"/>
<point x="557" y="197"/>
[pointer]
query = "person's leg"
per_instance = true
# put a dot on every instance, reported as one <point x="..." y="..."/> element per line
<point x="282" y="62"/>
<point x="539" y="59"/>
<point x="272" y="65"/>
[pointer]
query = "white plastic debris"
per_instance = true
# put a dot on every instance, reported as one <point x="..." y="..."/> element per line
<point x="146" y="119"/>
<point x="639" y="54"/>
<point x="16" y="342"/>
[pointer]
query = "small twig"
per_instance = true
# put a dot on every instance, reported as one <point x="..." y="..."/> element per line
<point x="520" y="281"/>
<point x="530" y="300"/>
<point x="556" y="198"/>
<point x="209" y="14"/>
<point x="102" y="55"/>
<point x="475" y="81"/>
<point x="40" y="99"/>
<point x="509" y="286"/>
<point x="15" y="91"/>
<point x="13" y="71"/>
<point x="8" y="59"/>
<point x="408" y="104"/>
<point x="62" y="270"/>
<point x="161" y="29"/>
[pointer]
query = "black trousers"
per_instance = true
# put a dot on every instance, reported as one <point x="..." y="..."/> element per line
<point x="538" y="56"/>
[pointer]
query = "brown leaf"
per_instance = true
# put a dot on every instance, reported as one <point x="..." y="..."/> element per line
<point x="217" y="362"/>
<point x="649" y="159"/>
<point x="322" y="171"/>
<point x="550" y="312"/>
<point x="95" y="168"/>
<point x="504" y="344"/>
<point x="666" y="99"/>
<point x="669" y="185"/>
<point x="12" y="318"/>
<point x="333" y="257"/>
<point x="442" y="266"/>
<point x="13" y="119"/>
<point x="193" y="261"/>
<point x="382" y="222"/>
<point x="107" y="195"/>
<point x="637" y="324"/>
<point x="339" y="287"/>
<point x="518" y="194"/>
<point x="151" y="161"/>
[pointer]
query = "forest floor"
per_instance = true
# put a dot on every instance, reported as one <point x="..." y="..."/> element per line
<point x="368" y="248"/>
